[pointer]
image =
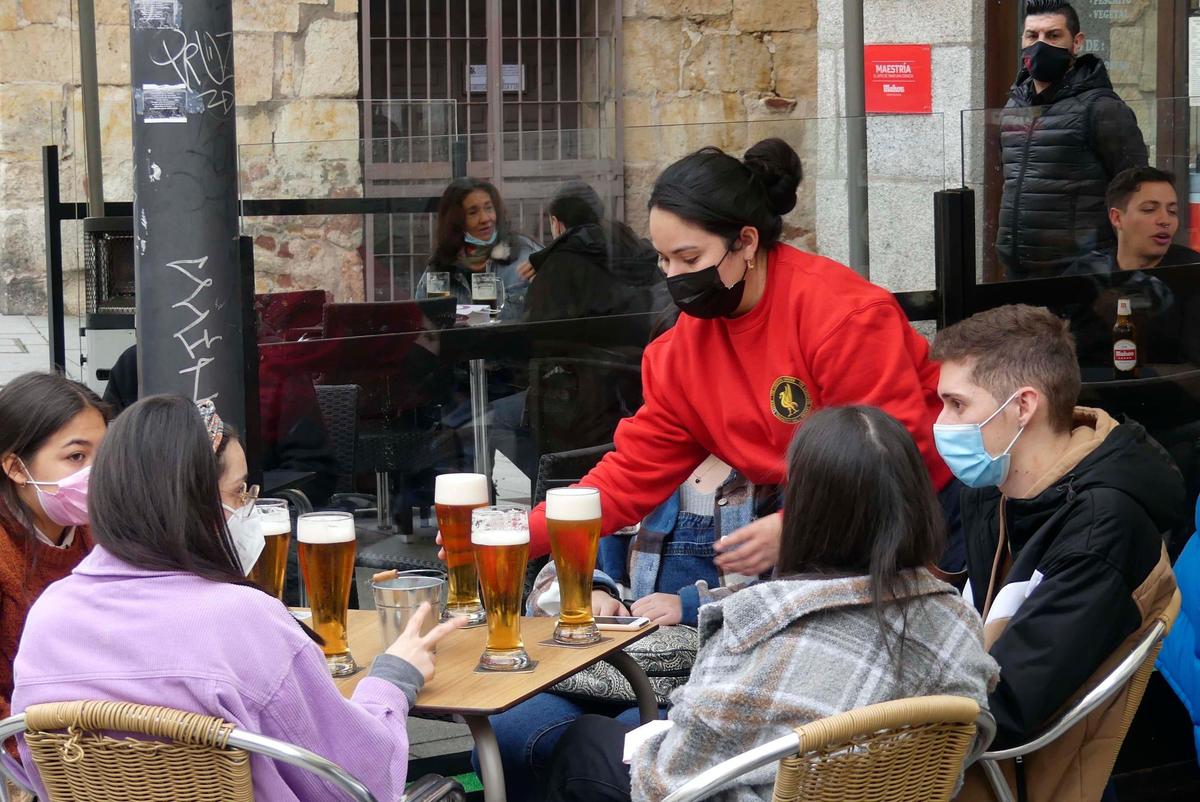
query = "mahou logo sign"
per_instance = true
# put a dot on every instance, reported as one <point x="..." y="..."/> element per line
<point x="899" y="79"/>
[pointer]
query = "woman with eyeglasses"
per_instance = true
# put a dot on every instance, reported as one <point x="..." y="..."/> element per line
<point x="50" y="428"/>
<point x="160" y="613"/>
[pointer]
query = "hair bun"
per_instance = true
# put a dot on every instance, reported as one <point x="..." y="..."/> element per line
<point x="778" y="165"/>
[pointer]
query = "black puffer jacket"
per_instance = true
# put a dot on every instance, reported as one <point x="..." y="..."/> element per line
<point x="1060" y="150"/>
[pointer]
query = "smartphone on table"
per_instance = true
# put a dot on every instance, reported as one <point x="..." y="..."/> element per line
<point x="624" y="623"/>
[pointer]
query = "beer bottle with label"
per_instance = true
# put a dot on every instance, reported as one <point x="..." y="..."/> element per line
<point x="1125" y="350"/>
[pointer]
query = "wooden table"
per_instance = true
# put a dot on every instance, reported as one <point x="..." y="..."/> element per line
<point x="456" y="688"/>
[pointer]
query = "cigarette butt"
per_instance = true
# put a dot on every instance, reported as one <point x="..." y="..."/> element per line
<point x="384" y="576"/>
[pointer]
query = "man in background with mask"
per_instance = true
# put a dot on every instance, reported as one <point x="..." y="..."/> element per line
<point x="1063" y="520"/>
<point x="1064" y="135"/>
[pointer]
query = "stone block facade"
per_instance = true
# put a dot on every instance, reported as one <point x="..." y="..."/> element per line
<point x="297" y="77"/>
<point x="909" y="158"/>
<point x="716" y="72"/>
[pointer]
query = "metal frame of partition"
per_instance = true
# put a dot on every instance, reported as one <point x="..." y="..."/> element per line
<point x="935" y="305"/>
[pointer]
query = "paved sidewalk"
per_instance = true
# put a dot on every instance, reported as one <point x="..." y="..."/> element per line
<point x="24" y="346"/>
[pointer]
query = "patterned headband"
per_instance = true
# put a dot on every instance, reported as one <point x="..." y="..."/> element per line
<point x="212" y="422"/>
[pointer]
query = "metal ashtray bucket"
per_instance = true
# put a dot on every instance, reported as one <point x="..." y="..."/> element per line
<point x="398" y="594"/>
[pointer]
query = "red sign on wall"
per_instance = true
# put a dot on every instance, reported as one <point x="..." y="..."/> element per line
<point x="899" y="79"/>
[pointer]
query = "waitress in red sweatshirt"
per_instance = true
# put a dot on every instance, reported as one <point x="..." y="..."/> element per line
<point x="768" y="335"/>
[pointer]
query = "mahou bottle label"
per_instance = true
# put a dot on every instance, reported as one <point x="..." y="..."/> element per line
<point x="1125" y="357"/>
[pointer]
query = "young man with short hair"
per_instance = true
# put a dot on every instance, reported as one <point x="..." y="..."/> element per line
<point x="1143" y="209"/>
<point x="1064" y="134"/>
<point x="1063" y="518"/>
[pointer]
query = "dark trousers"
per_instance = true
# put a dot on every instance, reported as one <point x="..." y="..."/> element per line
<point x="587" y="766"/>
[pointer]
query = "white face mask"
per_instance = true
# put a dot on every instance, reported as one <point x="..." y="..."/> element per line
<point x="247" y="536"/>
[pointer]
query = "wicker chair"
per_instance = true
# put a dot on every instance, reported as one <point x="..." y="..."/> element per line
<point x="908" y="750"/>
<point x="196" y="759"/>
<point x="1133" y="672"/>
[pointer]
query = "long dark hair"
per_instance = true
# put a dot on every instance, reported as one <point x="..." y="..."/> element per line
<point x="723" y="194"/>
<point x="452" y="219"/>
<point x="859" y="501"/>
<point x="155" y="495"/>
<point x="155" y="498"/>
<point x="33" y="407"/>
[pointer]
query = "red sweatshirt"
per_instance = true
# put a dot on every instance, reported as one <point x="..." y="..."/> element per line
<point x="821" y="336"/>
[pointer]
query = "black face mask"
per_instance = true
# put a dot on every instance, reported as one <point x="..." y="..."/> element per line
<point x="702" y="294"/>
<point x="1045" y="62"/>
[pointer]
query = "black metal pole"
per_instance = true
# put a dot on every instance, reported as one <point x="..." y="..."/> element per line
<point x="189" y="305"/>
<point x="54" y="266"/>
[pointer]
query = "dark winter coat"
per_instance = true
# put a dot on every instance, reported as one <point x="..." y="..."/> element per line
<point x="1059" y="151"/>
<point x="1065" y="580"/>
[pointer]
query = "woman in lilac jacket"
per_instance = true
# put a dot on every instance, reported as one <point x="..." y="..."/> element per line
<point x="160" y="613"/>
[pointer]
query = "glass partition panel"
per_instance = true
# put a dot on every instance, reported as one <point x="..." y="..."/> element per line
<point x="1041" y="178"/>
<point x="535" y="338"/>
<point x="1101" y="231"/>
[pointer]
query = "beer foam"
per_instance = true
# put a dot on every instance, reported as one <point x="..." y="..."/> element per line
<point x="500" y="537"/>
<point x="461" y="489"/>
<point x="573" y="504"/>
<point x="325" y="529"/>
<point x="275" y="525"/>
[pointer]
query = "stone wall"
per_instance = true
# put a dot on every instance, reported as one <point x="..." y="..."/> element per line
<point x="716" y="72"/>
<point x="297" y="72"/>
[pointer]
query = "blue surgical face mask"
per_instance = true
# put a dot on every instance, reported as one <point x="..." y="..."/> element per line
<point x="479" y="243"/>
<point x="961" y="446"/>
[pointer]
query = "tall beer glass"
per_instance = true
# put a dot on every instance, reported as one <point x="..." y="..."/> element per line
<point x="269" y="572"/>
<point x="327" y="563"/>
<point x="455" y="495"/>
<point x="573" y="521"/>
<point x="500" y="536"/>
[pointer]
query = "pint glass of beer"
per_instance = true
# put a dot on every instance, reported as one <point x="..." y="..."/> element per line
<point x="573" y="521"/>
<point x="455" y="495"/>
<point x="268" y="573"/>
<point x="500" y="536"/>
<point x="327" y="563"/>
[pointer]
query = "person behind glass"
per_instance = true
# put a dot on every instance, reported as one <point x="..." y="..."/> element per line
<point x="172" y="551"/>
<point x="1064" y="519"/>
<point x="768" y="335"/>
<point x="594" y="267"/>
<point x="473" y="237"/>
<point x="1064" y="135"/>
<point x="50" y="428"/>
<point x="853" y="617"/>
<point x="1143" y="210"/>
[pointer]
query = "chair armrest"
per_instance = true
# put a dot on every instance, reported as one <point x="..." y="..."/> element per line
<point x="1110" y="685"/>
<point x="434" y="788"/>
<point x="296" y="498"/>
<point x="9" y="727"/>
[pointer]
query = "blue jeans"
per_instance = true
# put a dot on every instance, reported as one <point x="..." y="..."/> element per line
<point x="528" y="733"/>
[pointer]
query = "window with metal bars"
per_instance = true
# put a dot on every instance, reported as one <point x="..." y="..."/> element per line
<point x="523" y="93"/>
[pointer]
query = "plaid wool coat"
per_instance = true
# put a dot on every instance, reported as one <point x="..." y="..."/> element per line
<point x="782" y="653"/>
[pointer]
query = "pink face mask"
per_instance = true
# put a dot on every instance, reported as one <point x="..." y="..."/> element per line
<point x="67" y="507"/>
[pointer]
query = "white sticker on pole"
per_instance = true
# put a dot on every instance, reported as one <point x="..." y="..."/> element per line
<point x="162" y="103"/>
<point x="157" y="14"/>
